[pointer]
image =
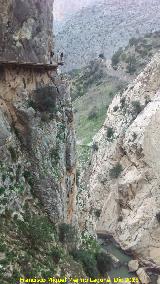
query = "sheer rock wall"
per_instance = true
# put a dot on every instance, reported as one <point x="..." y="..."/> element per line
<point x="37" y="139"/>
<point x="26" y="30"/>
<point x="123" y="195"/>
<point x="37" y="147"/>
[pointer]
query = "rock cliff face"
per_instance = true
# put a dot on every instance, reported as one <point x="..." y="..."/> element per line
<point x="36" y="141"/>
<point x="36" y="117"/>
<point x="26" y="30"/>
<point x="36" y="127"/>
<point x="123" y="195"/>
<point x="37" y="145"/>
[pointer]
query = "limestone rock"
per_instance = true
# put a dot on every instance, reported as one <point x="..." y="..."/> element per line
<point x="37" y="144"/>
<point x="133" y="265"/>
<point x="130" y="199"/>
<point x="26" y="31"/>
<point x="143" y="277"/>
<point x="158" y="281"/>
<point x="2" y="256"/>
<point x="37" y="138"/>
<point x="4" y="129"/>
<point x="41" y="140"/>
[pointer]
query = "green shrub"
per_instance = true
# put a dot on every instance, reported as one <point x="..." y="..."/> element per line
<point x="95" y="147"/>
<point x="67" y="235"/>
<point x="116" y="58"/>
<point x="158" y="217"/>
<point x="116" y="171"/>
<point x="4" y="177"/>
<point x="120" y="219"/>
<point x="77" y="177"/>
<point x="133" y="41"/>
<point x="101" y="55"/>
<point x="13" y="153"/>
<point x="2" y="190"/>
<point x="144" y="53"/>
<point x="45" y="117"/>
<point x="123" y="102"/>
<point x="115" y="108"/>
<point x="29" y="178"/>
<point x="147" y="101"/>
<point x="134" y="136"/>
<point x="45" y="99"/>
<point x="92" y="114"/>
<point x="88" y="261"/>
<point x="120" y="87"/>
<point x="56" y="254"/>
<point x="132" y="65"/>
<point x="110" y="133"/>
<point x="36" y="230"/>
<point x="124" y="57"/>
<point x="104" y="263"/>
<point x="32" y="104"/>
<point x="137" y="108"/>
<point x="90" y="244"/>
<point x="111" y="94"/>
<point x="98" y="213"/>
<point x="55" y="156"/>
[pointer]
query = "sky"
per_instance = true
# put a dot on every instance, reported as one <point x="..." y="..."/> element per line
<point x="64" y="8"/>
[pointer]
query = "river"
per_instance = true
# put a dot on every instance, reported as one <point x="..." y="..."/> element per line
<point x="121" y="268"/>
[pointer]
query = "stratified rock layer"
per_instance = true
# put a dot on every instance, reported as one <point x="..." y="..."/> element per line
<point x="26" y="30"/>
<point x="125" y="172"/>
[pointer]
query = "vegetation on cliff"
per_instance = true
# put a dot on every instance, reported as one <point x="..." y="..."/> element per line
<point x="135" y="56"/>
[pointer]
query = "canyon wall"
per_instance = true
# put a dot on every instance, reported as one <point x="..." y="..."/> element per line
<point x="37" y="141"/>
<point x="36" y="112"/>
<point x="37" y="146"/>
<point x="26" y="30"/>
<point x="123" y="196"/>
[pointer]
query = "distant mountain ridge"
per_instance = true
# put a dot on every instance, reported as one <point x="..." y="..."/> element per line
<point x="65" y="7"/>
<point x="104" y="27"/>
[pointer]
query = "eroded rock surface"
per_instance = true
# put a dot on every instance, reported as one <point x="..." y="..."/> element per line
<point x="26" y="30"/>
<point x="124" y="186"/>
<point x="133" y="265"/>
<point x="144" y="278"/>
<point x="37" y="140"/>
<point x="37" y="148"/>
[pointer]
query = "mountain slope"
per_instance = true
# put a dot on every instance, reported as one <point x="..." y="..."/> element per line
<point x="92" y="90"/>
<point x="134" y="57"/>
<point x="104" y="27"/>
<point x="94" y="86"/>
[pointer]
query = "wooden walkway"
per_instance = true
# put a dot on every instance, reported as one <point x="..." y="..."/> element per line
<point x="52" y="66"/>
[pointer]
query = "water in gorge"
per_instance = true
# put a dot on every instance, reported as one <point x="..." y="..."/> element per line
<point x="120" y="269"/>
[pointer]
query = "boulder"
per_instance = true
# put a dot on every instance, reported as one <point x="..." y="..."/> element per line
<point x="4" y="130"/>
<point x="133" y="265"/>
<point x="2" y="256"/>
<point x="143" y="277"/>
<point x="158" y="280"/>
